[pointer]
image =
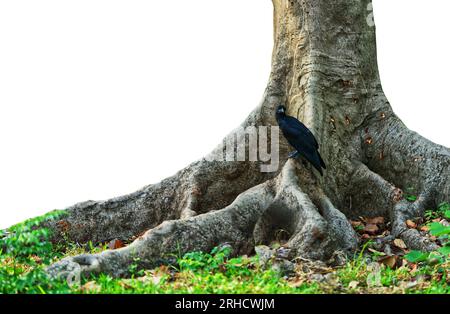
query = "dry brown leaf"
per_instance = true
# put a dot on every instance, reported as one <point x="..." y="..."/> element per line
<point x="90" y="286"/>
<point x="424" y="228"/>
<point x="125" y="284"/>
<point x="371" y="228"/>
<point x="411" y="224"/>
<point x="390" y="261"/>
<point x="36" y="258"/>
<point x="297" y="283"/>
<point x="400" y="243"/>
<point x="115" y="244"/>
<point x="375" y="220"/>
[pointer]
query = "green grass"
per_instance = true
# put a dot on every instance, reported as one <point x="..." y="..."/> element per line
<point x="26" y="251"/>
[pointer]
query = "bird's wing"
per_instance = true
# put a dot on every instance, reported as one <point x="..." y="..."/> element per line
<point x="296" y="128"/>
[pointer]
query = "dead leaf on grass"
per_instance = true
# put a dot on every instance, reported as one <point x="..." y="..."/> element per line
<point x="390" y="261"/>
<point x="411" y="224"/>
<point x="400" y="243"/>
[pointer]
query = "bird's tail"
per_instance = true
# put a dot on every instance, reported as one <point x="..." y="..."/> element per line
<point x="317" y="163"/>
<point x="322" y="163"/>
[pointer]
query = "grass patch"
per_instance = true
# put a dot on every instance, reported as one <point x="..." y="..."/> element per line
<point x="25" y="252"/>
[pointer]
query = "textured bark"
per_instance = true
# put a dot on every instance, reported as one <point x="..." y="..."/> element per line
<point x="324" y="69"/>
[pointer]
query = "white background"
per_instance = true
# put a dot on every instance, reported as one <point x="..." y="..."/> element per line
<point x="101" y="97"/>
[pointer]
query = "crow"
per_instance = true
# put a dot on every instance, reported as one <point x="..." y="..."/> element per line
<point x="301" y="138"/>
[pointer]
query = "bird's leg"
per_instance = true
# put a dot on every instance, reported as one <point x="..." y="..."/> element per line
<point x="293" y="154"/>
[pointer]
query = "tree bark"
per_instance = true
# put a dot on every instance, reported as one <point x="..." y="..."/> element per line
<point x="324" y="69"/>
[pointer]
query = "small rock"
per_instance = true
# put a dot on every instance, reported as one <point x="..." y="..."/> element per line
<point x="283" y="252"/>
<point x="264" y="253"/>
<point x="339" y="258"/>
<point x="317" y="277"/>
<point x="284" y="267"/>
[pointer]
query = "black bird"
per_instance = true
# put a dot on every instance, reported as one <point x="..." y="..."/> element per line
<point x="301" y="138"/>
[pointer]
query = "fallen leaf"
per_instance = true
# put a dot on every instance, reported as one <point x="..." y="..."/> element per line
<point x="115" y="244"/>
<point x="90" y="286"/>
<point x="353" y="284"/>
<point x="36" y="258"/>
<point x="297" y="283"/>
<point x="424" y="228"/>
<point x="400" y="243"/>
<point x="375" y="220"/>
<point x="411" y="224"/>
<point x="366" y="236"/>
<point x="390" y="261"/>
<point x="371" y="228"/>
<point x="125" y="284"/>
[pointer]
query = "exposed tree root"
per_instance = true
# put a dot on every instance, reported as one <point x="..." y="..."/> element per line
<point x="405" y="210"/>
<point x="377" y="190"/>
<point x="233" y="224"/>
<point x="249" y="220"/>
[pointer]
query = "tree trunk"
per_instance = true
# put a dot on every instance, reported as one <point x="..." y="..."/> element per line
<point x="324" y="69"/>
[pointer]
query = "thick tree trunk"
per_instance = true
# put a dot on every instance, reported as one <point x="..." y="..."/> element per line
<point x="324" y="69"/>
